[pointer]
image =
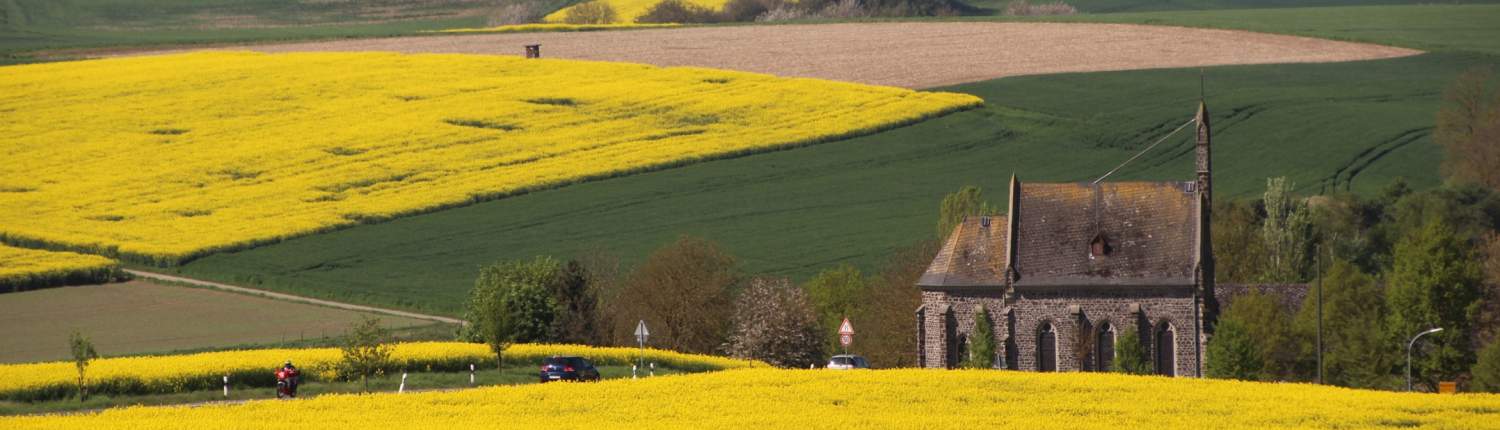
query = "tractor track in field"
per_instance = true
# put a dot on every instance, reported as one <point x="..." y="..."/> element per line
<point x="903" y="54"/>
<point x="291" y="297"/>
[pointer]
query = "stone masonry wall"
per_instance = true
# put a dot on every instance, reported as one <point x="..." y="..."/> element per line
<point x="1145" y="309"/>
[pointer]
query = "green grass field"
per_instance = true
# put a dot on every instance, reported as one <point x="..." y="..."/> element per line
<point x="1349" y="126"/>
<point x="140" y="317"/>
<point x="1118" y="6"/>
<point x="31" y="25"/>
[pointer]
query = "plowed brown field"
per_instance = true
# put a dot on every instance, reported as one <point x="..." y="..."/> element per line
<point x="913" y="55"/>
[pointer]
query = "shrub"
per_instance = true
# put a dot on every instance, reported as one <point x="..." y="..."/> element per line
<point x="1025" y="8"/>
<point x="981" y="342"/>
<point x="845" y="9"/>
<point x="516" y="13"/>
<point x="594" y="12"/>
<point x="784" y="12"/>
<point x="748" y="10"/>
<point x="678" y="11"/>
<point x="1232" y="354"/>
<point x="1132" y="354"/>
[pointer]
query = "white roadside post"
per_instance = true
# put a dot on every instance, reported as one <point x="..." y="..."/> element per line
<point x="653" y="368"/>
<point x="471" y="373"/>
<point x="226" y="386"/>
<point x="641" y="333"/>
<point x="402" y="388"/>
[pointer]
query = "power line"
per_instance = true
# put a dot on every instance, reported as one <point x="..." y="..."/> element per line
<point x="1143" y="152"/>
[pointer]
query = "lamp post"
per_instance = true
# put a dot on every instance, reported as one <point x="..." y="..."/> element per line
<point x="1408" y="353"/>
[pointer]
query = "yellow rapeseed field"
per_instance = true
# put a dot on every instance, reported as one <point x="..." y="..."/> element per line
<point x="823" y="399"/>
<point x="177" y="373"/>
<point x="22" y="268"/>
<point x="627" y="11"/>
<point x="556" y="27"/>
<point x="164" y="158"/>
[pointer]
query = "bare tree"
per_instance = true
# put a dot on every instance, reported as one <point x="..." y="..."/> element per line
<point x="888" y="336"/>
<point x="1468" y="128"/>
<point x="683" y="291"/>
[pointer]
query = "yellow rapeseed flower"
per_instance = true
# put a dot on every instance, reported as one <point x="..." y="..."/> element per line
<point x="23" y="268"/>
<point x="164" y="158"/>
<point x="824" y="399"/>
<point x="626" y="11"/>
<point x="177" y="373"/>
<point x="556" y="27"/>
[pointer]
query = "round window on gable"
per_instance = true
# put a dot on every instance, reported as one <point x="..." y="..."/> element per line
<point x="1099" y="247"/>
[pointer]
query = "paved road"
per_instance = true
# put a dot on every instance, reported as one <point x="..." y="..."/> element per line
<point x="293" y="298"/>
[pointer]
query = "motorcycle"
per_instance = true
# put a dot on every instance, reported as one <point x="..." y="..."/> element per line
<point x="286" y="382"/>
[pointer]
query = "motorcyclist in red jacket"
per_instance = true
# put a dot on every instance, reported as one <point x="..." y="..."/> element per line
<point x="287" y="378"/>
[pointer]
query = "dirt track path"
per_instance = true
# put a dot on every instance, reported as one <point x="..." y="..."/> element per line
<point x="913" y="55"/>
<point x="292" y="298"/>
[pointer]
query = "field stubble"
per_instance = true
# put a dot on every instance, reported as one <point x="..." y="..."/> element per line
<point x="904" y="54"/>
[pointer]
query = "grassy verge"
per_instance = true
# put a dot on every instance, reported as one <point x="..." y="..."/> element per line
<point x="420" y="381"/>
<point x="140" y="317"/>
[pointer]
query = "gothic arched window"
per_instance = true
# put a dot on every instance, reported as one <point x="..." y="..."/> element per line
<point x="1046" y="348"/>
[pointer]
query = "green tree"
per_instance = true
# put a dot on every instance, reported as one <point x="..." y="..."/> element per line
<point x="1270" y="328"/>
<point x="577" y="298"/>
<point x="1487" y="371"/>
<point x="981" y="342"/>
<point x="512" y="302"/>
<point x="1130" y="355"/>
<point x="1239" y="252"/>
<point x="83" y="352"/>
<point x="365" y="351"/>
<point x="1435" y="282"/>
<point x="1355" y="350"/>
<point x="1286" y="232"/>
<point x="836" y="293"/>
<point x="1232" y="353"/>
<point x="968" y="201"/>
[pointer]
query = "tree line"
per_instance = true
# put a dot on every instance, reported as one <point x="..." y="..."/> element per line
<point x="1389" y="266"/>
<point x="694" y="297"/>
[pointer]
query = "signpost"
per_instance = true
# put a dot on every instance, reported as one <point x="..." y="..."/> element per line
<point x="641" y="333"/>
<point x="846" y="334"/>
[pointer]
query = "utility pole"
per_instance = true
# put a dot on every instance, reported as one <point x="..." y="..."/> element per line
<point x="1320" y="317"/>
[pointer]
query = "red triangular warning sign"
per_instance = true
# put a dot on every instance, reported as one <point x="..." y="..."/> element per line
<point x="846" y="328"/>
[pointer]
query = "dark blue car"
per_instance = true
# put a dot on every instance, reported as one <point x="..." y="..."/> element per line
<point x="558" y="368"/>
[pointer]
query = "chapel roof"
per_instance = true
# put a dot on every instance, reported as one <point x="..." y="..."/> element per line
<point x="1078" y="234"/>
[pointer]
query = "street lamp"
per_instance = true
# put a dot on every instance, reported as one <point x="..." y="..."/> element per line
<point x="1408" y="353"/>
